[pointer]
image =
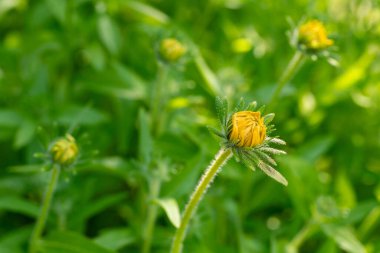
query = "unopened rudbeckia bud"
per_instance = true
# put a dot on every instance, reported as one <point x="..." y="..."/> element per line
<point x="64" y="151"/>
<point x="313" y="36"/>
<point x="248" y="129"/>
<point x="171" y="49"/>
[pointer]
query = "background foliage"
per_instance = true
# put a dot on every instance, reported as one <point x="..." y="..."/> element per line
<point x="91" y="68"/>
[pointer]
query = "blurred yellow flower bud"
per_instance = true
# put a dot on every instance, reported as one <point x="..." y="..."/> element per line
<point x="171" y="49"/>
<point x="242" y="45"/>
<point x="313" y="36"/>
<point x="65" y="150"/>
<point x="248" y="129"/>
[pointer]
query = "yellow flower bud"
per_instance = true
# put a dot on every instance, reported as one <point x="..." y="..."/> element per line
<point x="313" y="36"/>
<point x="171" y="49"/>
<point x="65" y="150"/>
<point x="248" y="129"/>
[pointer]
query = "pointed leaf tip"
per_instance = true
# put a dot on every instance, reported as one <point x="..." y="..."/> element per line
<point x="270" y="171"/>
<point x="171" y="209"/>
<point x="268" y="118"/>
<point x="215" y="131"/>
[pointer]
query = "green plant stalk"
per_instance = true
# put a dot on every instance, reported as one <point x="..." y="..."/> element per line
<point x="302" y="235"/>
<point x="159" y="98"/>
<point x="220" y="159"/>
<point x="294" y="64"/>
<point x="211" y="81"/>
<point x="152" y="215"/>
<point x="42" y="217"/>
<point x="369" y="223"/>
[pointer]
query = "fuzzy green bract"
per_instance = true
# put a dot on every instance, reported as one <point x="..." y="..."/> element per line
<point x="260" y="156"/>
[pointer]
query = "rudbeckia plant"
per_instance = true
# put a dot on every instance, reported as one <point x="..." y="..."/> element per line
<point x="310" y="39"/>
<point x="245" y="134"/>
<point x="62" y="154"/>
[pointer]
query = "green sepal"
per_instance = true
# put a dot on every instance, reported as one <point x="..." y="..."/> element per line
<point x="216" y="132"/>
<point x="252" y="106"/>
<point x="277" y="141"/>
<point x="248" y="163"/>
<point x="265" y="157"/>
<point x="270" y="171"/>
<point x="268" y="118"/>
<point x="237" y="154"/>
<point x="261" y="109"/>
<point x="273" y="151"/>
<point x="240" y="106"/>
<point x="221" y="105"/>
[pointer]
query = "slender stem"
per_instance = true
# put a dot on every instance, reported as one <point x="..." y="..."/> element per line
<point x="302" y="235"/>
<point x="289" y="72"/>
<point x="41" y="220"/>
<point x="220" y="159"/>
<point x="369" y="223"/>
<point x="159" y="98"/>
<point x="152" y="215"/>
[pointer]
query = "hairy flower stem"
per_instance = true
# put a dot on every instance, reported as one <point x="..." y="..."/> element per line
<point x="42" y="217"/>
<point x="220" y="159"/>
<point x="152" y="215"/>
<point x="293" y="66"/>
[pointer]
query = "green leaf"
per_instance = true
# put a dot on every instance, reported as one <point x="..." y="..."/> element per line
<point x="109" y="34"/>
<point x="96" y="206"/>
<point x="58" y="9"/>
<point x="148" y="11"/>
<point x="345" y="191"/>
<point x="29" y="168"/>
<point x="370" y="222"/>
<point x="72" y="115"/>
<point x="316" y="147"/>
<point x="344" y="237"/>
<point x="11" y="249"/>
<point x="211" y="83"/>
<point x="116" y="238"/>
<point x="69" y="242"/>
<point x="129" y="78"/>
<point x="327" y="208"/>
<point x="171" y="209"/>
<point x="9" y="118"/>
<point x="94" y="54"/>
<point x="118" y="81"/>
<point x="18" y="205"/>
<point x="15" y="239"/>
<point x="24" y="134"/>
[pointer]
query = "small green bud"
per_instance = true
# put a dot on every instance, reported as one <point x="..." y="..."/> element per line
<point x="64" y="151"/>
<point x="171" y="49"/>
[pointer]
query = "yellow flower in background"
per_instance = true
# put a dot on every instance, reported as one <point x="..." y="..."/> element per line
<point x="313" y="36"/>
<point x="248" y="129"/>
<point x="171" y="49"/>
<point x="65" y="150"/>
<point x="242" y="45"/>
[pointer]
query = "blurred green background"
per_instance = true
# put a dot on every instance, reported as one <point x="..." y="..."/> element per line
<point x="92" y="68"/>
